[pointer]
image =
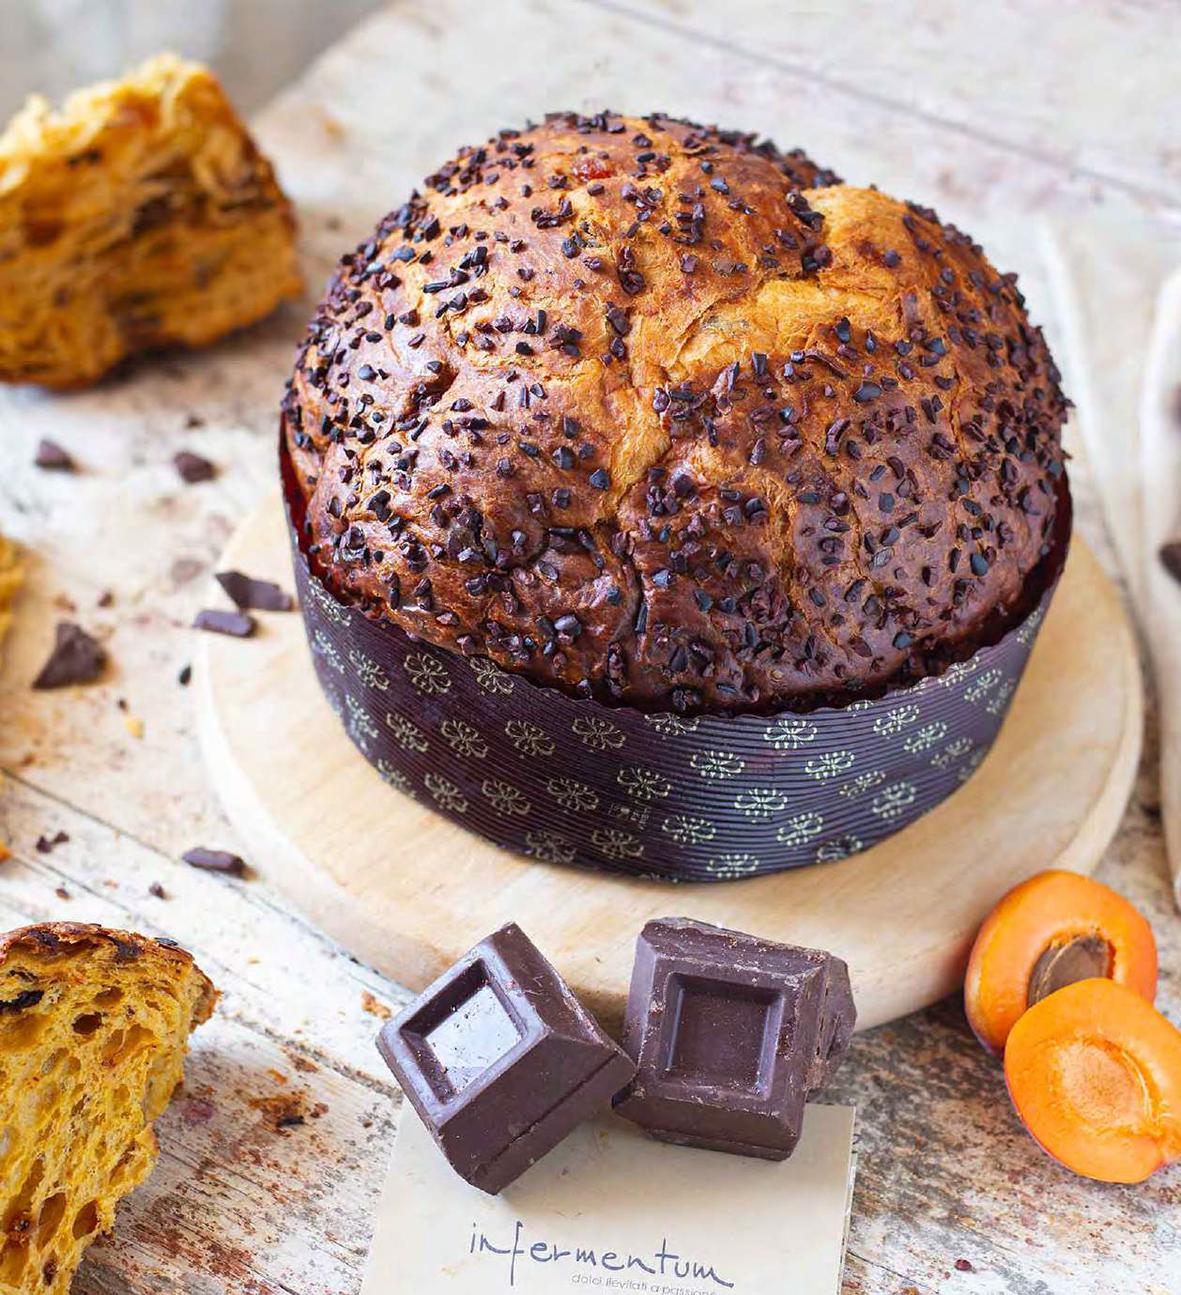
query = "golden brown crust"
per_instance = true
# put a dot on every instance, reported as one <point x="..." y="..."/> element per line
<point x="140" y="215"/>
<point x="659" y="415"/>
<point x="50" y="940"/>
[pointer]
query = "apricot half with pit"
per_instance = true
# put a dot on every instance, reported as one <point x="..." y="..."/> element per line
<point x="1094" y="1072"/>
<point x="1051" y="931"/>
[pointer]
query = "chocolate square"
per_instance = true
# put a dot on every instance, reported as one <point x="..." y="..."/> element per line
<point x="731" y="1034"/>
<point x="501" y="1061"/>
<point x="463" y="1034"/>
<point x="724" y="1033"/>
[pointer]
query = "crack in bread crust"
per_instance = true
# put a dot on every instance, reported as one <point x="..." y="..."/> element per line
<point x="661" y="415"/>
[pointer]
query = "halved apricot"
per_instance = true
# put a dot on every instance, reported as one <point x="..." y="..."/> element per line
<point x="1095" y="1075"/>
<point x="1052" y="930"/>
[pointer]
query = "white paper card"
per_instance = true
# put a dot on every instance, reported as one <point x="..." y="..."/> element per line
<point x="612" y="1210"/>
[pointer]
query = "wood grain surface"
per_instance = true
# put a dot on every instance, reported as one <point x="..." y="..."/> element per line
<point x="991" y="122"/>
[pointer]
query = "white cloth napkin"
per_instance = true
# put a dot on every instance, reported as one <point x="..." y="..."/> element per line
<point x="1160" y="464"/>
<point x="1117" y="289"/>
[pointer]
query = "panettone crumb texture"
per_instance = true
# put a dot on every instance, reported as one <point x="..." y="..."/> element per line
<point x="11" y="577"/>
<point x="94" y="1025"/>
<point x="139" y="215"/>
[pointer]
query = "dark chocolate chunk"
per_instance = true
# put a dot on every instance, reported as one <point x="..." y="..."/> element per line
<point x="214" y="861"/>
<point x="76" y="658"/>
<point x="26" y="998"/>
<point x="192" y="467"/>
<point x="731" y="1034"/>
<point x="1170" y="556"/>
<point x="236" y="624"/>
<point x="249" y="594"/>
<point x="52" y="457"/>
<point x="501" y="1061"/>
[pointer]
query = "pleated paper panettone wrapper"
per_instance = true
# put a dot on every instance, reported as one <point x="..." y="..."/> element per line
<point x="684" y="798"/>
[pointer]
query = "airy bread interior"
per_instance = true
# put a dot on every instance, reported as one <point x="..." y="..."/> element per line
<point x="11" y="574"/>
<point x="139" y="215"/>
<point x="94" y="1027"/>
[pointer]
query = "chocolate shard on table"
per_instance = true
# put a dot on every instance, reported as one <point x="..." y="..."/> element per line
<point x="53" y="458"/>
<point x="237" y="625"/>
<point x="250" y="594"/>
<point x="207" y="860"/>
<point x="1170" y="556"/>
<point x="193" y="468"/>
<point x="501" y="1061"/>
<point x="76" y="657"/>
<point x="731" y="1035"/>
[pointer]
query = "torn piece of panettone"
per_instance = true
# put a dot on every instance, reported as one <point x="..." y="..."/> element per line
<point x="94" y="1026"/>
<point x="139" y="215"/>
<point x="11" y="574"/>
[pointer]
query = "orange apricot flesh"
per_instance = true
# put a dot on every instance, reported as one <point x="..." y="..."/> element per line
<point x="1055" y="928"/>
<point x="1094" y="1073"/>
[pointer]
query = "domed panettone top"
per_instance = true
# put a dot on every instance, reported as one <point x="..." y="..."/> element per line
<point x="661" y="415"/>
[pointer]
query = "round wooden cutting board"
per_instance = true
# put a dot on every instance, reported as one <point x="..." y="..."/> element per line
<point x="408" y="892"/>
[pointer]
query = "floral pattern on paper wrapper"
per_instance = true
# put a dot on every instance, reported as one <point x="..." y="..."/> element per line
<point x="570" y="782"/>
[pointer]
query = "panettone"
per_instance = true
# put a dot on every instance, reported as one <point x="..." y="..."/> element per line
<point x="94" y="1025"/>
<point x="140" y="215"/>
<point x="11" y="576"/>
<point x="664" y="416"/>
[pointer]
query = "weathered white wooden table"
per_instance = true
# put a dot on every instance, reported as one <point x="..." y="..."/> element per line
<point x="274" y="1154"/>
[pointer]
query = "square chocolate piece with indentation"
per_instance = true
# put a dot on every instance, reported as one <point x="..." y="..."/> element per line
<point x="731" y="1034"/>
<point x="501" y="1061"/>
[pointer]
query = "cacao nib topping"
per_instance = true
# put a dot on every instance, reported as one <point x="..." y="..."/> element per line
<point x="480" y="390"/>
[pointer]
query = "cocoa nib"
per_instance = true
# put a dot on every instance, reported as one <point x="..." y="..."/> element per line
<point x="29" y="998"/>
<point x="193" y="468"/>
<point x="53" y="458"/>
<point x="236" y="624"/>
<point x="214" y="861"/>
<point x="76" y="658"/>
<point x="249" y="594"/>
